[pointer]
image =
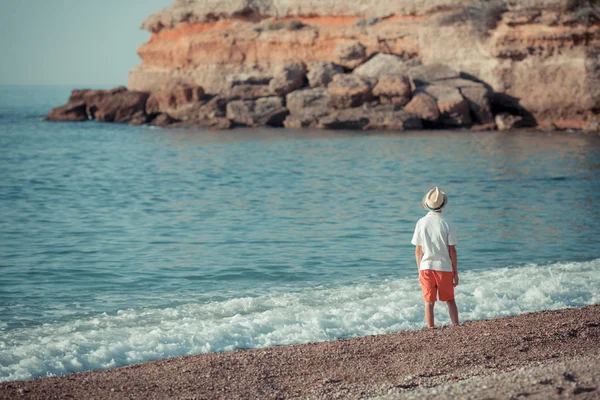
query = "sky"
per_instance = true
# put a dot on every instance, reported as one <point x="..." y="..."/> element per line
<point x="72" y="42"/>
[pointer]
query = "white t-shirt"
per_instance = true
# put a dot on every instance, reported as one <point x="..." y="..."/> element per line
<point x="434" y="234"/>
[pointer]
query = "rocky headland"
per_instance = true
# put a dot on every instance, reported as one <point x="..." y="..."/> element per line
<point x="375" y="64"/>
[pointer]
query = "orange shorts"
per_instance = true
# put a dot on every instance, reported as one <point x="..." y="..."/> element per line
<point x="436" y="284"/>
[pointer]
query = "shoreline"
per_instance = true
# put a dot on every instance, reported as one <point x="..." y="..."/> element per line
<point x="395" y="364"/>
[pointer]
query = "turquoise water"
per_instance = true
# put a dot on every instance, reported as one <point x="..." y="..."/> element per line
<point x="122" y="244"/>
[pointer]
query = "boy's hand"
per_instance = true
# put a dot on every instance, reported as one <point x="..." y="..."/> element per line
<point x="455" y="280"/>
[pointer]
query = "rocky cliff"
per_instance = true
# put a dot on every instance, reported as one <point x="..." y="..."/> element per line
<point x="374" y="64"/>
<point x="539" y="57"/>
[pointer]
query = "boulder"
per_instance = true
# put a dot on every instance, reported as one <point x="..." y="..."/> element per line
<point x="301" y="100"/>
<point x="308" y="118"/>
<point x="393" y="89"/>
<point x="69" y="112"/>
<point x="288" y="79"/>
<point x="216" y="107"/>
<point x="90" y="96"/>
<point x="378" y="117"/>
<point x="265" y="111"/>
<point x="477" y="96"/>
<point x="392" y="118"/>
<point x="426" y="74"/>
<point x="352" y="119"/>
<point x="123" y="107"/>
<point x="506" y="122"/>
<point x="350" y="55"/>
<point x="479" y="103"/>
<point x="250" y="86"/>
<point x="348" y="90"/>
<point x="321" y="73"/>
<point x="382" y="64"/>
<point x="163" y="120"/>
<point x="171" y="97"/>
<point x="306" y="106"/>
<point x="454" y="108"/>
<point x="216" y="123"/>
<point x="424" y="106"/>
<point x="113" y="105"/>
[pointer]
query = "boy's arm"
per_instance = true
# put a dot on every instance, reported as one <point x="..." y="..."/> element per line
<point x="454" y="258"/>
<point x="418" y="256"/>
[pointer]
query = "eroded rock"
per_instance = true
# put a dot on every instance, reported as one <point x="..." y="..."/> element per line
<point x="393" y="89"/>
<point x="376" y="117"/>
<point x="349" y="90"/>
<point x="69" y="112"/>
<point x="380" y="65"/>
<point x="170" y="98"/>
<point x="430" y="73"/>
<point x="306" y="106"/>
<point x="288" y="79"/>
<point x="267" y="111"/>
<point x="350" y="55"/>
<point x="392" y="118"/>
<point x="424" y="106"/>
<point x="250" y="86"/>
<point x="351" y="119"/>
<point x="321" y="73"/>
<point x="454" y="108"/>
<point x="124" y="107"/>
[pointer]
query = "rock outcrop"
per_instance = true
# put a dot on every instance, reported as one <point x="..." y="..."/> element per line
<point x="114" y="105"/>
<point x="360" y="65"/>
<point x="533" y="58"/>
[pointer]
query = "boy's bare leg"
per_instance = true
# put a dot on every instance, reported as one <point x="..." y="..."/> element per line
<point x="453" y="311"/>
<point x="429" y="313"/>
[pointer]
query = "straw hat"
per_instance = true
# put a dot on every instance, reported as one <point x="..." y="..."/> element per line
<point x="435" y="200"/>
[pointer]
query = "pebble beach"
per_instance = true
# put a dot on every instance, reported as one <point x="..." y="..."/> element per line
<point x="546" y="354"/>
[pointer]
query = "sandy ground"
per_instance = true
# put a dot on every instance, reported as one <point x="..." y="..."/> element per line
<point x="548" y="354"/>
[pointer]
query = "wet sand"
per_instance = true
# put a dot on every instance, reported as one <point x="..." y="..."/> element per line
<point x="548" y="354"/>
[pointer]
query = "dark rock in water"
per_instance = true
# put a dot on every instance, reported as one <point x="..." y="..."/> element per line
<point x="69" y="112"/>
<point x="301" y="100"/>
<point x="424" y="106"/>
<point x="124" y="107"/>
<point x="216" y="123"/>
<point x="347" y="90"/>
<point x="267" y="111"/>
<point x="163" y="120"/>
<point x="390" y="118"/>
<point x="113" y="105"/>
<point x="376" y="117"/>
<point x="352" y="118"/>
<point x="173" y="97"/>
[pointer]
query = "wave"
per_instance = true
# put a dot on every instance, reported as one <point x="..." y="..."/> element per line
<point x="320" y="314"/>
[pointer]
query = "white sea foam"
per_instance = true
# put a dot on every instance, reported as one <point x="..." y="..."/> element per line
<point x="321" y="314"/>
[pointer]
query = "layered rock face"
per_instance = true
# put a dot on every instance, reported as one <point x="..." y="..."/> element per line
<point x="531" y="58"/>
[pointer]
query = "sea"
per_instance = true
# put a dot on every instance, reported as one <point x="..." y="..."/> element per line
<point x="122" y="244"/>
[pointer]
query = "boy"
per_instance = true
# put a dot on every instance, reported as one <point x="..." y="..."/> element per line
<point x="436" y="256"/>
